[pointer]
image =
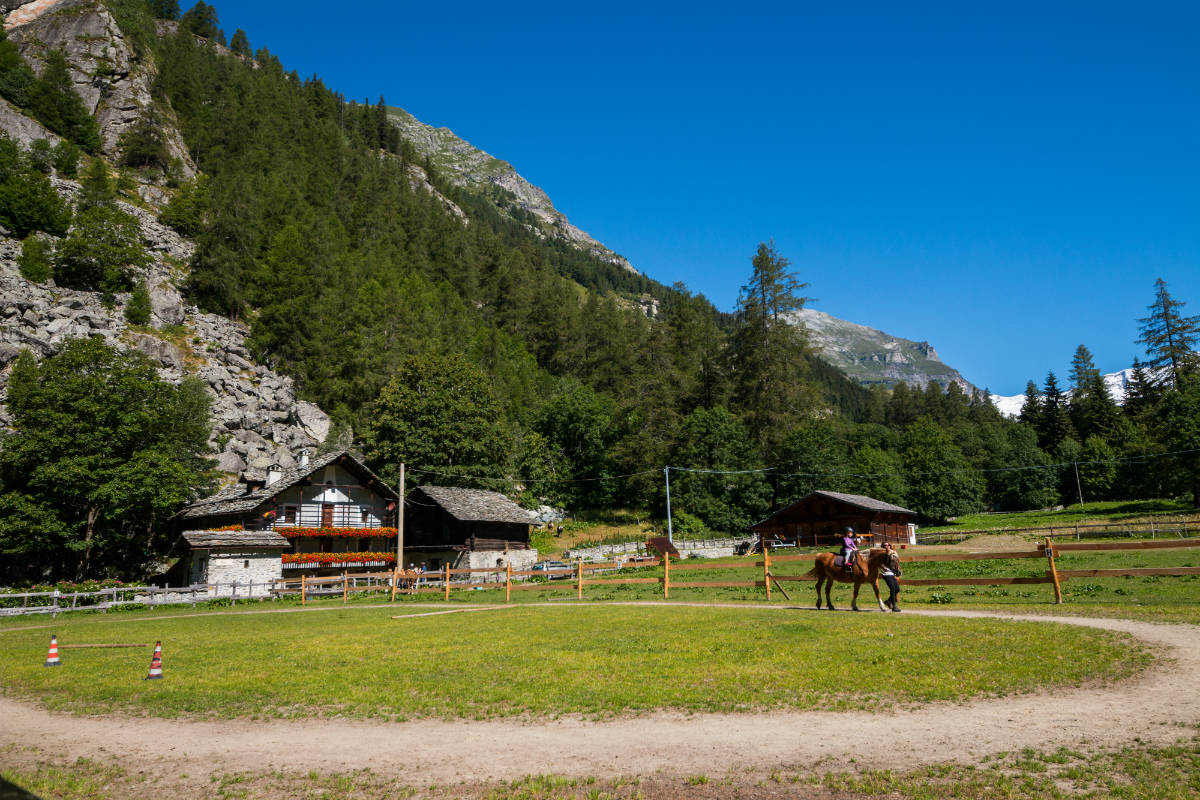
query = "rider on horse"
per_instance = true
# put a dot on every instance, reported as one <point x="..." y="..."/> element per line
<point x="849" y="548"/>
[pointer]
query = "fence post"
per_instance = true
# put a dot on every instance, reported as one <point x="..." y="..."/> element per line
<point x="767" y="570"/>
<point x="303" y="590"/>
<point x="1053" y="571"/>
<point x="345" y="587"/>
<point x="447" y="581"/>
<point x="508" y="582"/>
<point x="395" y="581"/>
<point x="666" y="575"/>
<point x="579" y="578"/>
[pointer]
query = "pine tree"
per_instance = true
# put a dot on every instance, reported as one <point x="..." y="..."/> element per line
<point x="1092" y="408"/>
<point x="1055" y="425"/>
<point x="54" y="101"/>
<point x="769" y="354"/>
<point x="1031" y="411"/>
<point x="164" y="9"/>
<point x="240" y="43"/>
<point x="1170" y="338"/>
<point x="1142" y="394"/>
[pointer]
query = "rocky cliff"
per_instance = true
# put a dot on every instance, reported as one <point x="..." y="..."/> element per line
<point x="470" y="167"/>
<point x="871" y="356"/>
<point x="257" y="418"/>
<point x="113" y="79"/>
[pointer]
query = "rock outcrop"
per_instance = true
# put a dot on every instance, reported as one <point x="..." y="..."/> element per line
<point x="111" y="77"/>
<point x="256" y="417"/>
<point x="871" y="356"/>
<point x="471" y="167"/>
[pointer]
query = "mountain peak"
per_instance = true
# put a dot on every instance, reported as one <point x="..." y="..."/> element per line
<point x="472" y="168"/>
<point x="870" y="356"/>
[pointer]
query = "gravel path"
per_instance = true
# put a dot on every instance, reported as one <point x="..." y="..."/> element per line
<point x="1156" y="707"/>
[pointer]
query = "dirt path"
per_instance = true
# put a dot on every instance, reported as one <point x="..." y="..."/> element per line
<point x="1157" y="706"/>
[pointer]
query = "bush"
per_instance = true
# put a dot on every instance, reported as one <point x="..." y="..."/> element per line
<point x="35" y="259"/>
<point x="101" y="251"/>
<point x="29" y="203"/>
<point x="66" y="159"/>
<point x="137" y="310"/>
<point x="41" y="156"/>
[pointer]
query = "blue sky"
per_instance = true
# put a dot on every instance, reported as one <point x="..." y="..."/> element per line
<point x="1005" y="182"/>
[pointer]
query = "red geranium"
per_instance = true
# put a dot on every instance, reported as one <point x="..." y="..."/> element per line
<point x="337" y="558"/>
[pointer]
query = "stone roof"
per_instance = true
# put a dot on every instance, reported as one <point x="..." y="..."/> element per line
<point x="242" y="498"/>
<point x="856" y="500"/>
<point x="477" y="505"/>
<point x="222" y="540"/>
<point x="862" y="501"/>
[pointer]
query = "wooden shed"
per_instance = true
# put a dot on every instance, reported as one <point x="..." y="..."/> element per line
<point x="819" y="519"/>
<point x="444" y="517"/>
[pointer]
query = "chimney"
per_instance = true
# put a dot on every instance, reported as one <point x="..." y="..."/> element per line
<point x="304" y="457"/>
<point x="274" y="473"/>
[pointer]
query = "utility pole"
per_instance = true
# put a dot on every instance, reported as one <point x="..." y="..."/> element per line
<point x="1078" y="486"/>
<point x="670" y="528"/>
<point x="400" y="523"/>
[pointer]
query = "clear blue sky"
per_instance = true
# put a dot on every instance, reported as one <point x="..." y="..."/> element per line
<point x="1003" y="181"/>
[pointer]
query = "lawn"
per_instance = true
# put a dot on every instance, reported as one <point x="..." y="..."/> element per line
<point x="545" y="661"/>
<point x="1105" y="511"/>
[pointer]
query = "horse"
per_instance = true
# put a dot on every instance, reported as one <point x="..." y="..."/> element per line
<point x="866" y="570"/>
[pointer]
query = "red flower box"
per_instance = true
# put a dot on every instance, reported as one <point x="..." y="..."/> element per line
<point x="339" y="533"/>
<point x="337" y="558"/>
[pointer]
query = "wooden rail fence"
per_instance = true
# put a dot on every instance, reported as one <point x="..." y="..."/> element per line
<point x="582" y="574"/>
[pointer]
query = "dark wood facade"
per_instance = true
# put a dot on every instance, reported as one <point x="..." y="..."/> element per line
<point x="819" y="519"/>
<point x="445" y="518"/>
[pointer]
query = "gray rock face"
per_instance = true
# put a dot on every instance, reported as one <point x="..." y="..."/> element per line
<point x="21" y="128"/>
<point x="872" y="356"/>
<point x="471" y="167"/>
<point x="110" y="77"/>
<point x="256" y="416"/>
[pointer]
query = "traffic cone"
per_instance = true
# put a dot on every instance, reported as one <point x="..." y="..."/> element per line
<point x="156" y="663"/>
<point x="52" y="658"/>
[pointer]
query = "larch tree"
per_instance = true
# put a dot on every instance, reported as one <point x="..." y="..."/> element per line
<point x="1170" y="338"/>
<point x="769" y="353"/>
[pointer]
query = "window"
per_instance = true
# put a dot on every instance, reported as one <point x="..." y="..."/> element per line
<point x="364" y="516"/>
<point x="289" y="515"/>
<point x="246" y="564"/>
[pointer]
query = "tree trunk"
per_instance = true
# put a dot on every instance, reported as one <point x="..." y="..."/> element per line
<point x="92" y="515"/>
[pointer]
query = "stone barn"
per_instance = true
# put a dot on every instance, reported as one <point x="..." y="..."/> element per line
<point x="248" y="560"/>
<point x="818" y="520"/>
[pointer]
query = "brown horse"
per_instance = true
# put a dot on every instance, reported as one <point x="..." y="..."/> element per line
<point x="866" y="570"/>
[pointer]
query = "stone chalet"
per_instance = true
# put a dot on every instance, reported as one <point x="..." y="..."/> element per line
<point x="819" y="518"/>
<point x="329" y="513"/>
<point x="332" y="514"/>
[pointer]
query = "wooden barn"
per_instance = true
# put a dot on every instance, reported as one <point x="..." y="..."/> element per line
<point x="819" y="519"/>
<point x="445" y="517"/>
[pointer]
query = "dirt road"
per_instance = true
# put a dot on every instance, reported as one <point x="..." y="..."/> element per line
<point x="1153" y="706"/>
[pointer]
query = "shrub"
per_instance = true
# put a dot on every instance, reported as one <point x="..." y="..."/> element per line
<point x="66" y="159"/>
<point x="35" y="259"/>
<point x="29" y="203"/>
<point x="41" y="156"/>
<point x="101" y="250"/>
<point x="137" y="310"/>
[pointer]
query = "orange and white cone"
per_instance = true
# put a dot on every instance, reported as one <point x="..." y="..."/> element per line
<point x="52" y="658"/>
<point x="156" y="663"/>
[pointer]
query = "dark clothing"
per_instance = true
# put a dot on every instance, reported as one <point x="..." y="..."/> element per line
<point x="893" y="588"/>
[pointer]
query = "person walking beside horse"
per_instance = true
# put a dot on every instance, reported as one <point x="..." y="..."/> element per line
<point x="889" y="576"/>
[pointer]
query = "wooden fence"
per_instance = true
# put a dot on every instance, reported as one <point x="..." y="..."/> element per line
<point x="581" y="575"/>
<point x="1179" y="526"/>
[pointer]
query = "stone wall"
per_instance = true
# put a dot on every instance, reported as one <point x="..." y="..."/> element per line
<point x="254" y="571"/>
<point x="699" y="548"/>
<point x="478" y="559"/>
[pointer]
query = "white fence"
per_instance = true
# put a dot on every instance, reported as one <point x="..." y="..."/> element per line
<point x="58" y="602"/>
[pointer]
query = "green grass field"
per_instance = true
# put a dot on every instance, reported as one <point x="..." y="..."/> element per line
<point x="1105" y="511"/>
<point x="359" y="662"/>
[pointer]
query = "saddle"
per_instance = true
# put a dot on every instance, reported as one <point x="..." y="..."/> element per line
<point x="841" y="563"/>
